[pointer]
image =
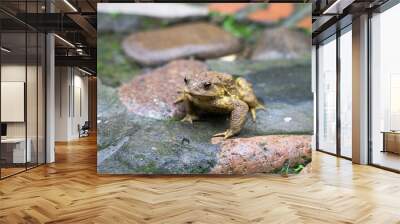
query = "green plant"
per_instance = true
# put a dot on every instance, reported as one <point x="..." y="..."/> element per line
<point x="286" y="169"/>
<point x="298" y="168"/>
<point x="237" y="27"/>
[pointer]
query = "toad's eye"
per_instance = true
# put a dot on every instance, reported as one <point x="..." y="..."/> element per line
<point x="186" y="80"/>
<point x="207" y="85"/>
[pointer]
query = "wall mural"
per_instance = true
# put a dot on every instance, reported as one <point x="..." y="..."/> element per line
<point x="219" y="88"/>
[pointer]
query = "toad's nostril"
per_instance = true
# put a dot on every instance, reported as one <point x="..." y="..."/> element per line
<point x="186" y="80"/>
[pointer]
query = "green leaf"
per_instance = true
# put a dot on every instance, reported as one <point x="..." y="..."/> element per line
<point x="299" y="168"/>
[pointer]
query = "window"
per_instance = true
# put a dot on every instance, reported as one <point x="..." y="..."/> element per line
<point x="327" y="96"/>
<point x="346" y="93"/>
<point x="385" y="89"/>
<point x="22" y="77"/>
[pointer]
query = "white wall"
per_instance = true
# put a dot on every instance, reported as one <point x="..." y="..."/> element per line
<point x="71" y="94"/>
<point x="62" y="81"/>
<point x="13" y="101"/>
<point x="80" y="110"/>
<point x="12" y="73"/>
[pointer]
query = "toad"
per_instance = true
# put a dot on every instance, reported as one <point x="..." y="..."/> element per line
<point x="214" y="92"/>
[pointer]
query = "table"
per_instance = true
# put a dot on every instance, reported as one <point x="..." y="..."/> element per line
<point x="18" y="149"/>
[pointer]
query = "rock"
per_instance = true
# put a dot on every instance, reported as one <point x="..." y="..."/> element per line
<point x="133" y="144"/>
<point x="108" y="104"/>
<point x="126" y="24"/>
<point x="156" y="146"/>
<point x="227" y="8"/>
<point x="155" y="10"/>
<point x="153" y="94"/>
<point x="273" y="13"/>
<point x="261" y="154"/>
<point x="282" y="43"/>
<point x="248" y="67"/>
<point x="120" y="23"/>
<point x="130" y="143"/>
<point x="136" y="134"/>
<point x="286" y="81"/>
<point x="200" y="40"/>
<point x="305" y="23"/>
<point x="285" y="88"/>
<point x="255" y="12"/>
<point x="121" y="18"/>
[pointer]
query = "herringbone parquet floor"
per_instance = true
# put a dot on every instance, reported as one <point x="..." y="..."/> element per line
<point x="70" y="191"/>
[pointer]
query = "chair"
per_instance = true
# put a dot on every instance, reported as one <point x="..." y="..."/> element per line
<point x="84" y="130"/>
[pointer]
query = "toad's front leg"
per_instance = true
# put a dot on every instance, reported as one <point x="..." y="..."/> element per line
<point x="238" y="118"/>
<point x="190" y="116"/>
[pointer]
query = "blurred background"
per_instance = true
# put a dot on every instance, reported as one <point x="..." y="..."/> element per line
<point x="265" y="32"/>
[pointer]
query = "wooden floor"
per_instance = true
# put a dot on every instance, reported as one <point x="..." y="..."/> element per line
<point x="5" y="172"/>
<point x="70" y="191"/>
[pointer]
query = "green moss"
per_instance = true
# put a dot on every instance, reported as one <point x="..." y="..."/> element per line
<point x="148" y="168"/>
<point x="199" y="170"/>
<point x="116" y="15"/>
<point x="148" y="23"/>
<point x="113" y="66"/>
<point x="166" y="149"/>
<point x="306" y="32"/>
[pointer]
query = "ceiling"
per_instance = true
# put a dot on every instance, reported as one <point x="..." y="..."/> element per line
<point x="330" y="15"/>
<point x="74" y="22"/>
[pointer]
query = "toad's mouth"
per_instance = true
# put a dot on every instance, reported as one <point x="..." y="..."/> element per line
<point x="201" y="95"/>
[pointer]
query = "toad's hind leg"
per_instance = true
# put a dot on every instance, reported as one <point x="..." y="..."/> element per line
<point x="248" y="96"/>
<point x="238" y="119"/>
<point x="253" y="110"/>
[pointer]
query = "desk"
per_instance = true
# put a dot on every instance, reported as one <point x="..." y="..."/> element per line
<point x="391" y="141"/>
<point x="18" y="149"/>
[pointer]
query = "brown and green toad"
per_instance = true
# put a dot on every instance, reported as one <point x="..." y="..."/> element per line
<point x="214" y="92"/>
